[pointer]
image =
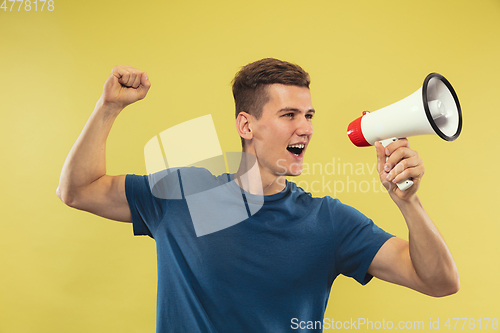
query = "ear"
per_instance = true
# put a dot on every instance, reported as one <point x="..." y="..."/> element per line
<point x="244" y="126"/>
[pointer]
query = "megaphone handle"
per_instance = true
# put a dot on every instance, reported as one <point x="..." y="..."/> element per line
<point x="407" y="183"/>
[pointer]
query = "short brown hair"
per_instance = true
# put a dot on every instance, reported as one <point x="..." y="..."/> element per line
<point x="249" y="84"/>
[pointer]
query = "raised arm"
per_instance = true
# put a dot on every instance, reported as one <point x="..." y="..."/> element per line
<point x="424" y="263"/>
<point x="84" y="183"/>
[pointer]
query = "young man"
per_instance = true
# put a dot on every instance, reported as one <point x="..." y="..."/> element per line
<point x="280" y="262"/>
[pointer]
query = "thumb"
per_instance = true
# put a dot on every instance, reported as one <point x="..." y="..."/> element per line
<point x="143" y="88"/>
<point x="381" y="158"/>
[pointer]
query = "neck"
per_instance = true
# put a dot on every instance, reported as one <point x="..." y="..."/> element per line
<point x="250" y="178"/>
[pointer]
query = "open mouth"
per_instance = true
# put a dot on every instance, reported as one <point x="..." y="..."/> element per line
<point x="296" y="149"/>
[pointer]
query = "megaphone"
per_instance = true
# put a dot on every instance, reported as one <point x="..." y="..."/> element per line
<point x="432" y="109"/>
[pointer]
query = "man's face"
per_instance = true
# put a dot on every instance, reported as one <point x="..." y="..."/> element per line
<point x="282" y="134"/>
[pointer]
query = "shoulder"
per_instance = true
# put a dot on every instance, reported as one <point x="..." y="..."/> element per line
<point x="327" y="201"/>
<point x="337" y="210"/>
<point x="172" y="183"/>
<point x="326" y="207"/>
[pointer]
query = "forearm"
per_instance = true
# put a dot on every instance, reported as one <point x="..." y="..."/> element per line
<point x="86" y="161"/>
<point x="429" y="253"/>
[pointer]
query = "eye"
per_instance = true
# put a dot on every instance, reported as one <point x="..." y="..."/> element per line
<point x="310" y="115"/>
<point x="290" y="114"/>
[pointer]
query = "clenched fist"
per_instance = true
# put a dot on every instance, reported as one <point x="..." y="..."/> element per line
<point x="125" y="86"/>
<point x="402" y="163"/>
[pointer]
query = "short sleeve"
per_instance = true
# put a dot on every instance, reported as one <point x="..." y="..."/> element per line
<point x="147" y="210"/>
<point x="149" y="196"/>
<point x="358" y="243"/>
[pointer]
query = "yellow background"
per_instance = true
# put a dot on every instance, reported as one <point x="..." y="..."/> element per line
<point x="64" y="270"/>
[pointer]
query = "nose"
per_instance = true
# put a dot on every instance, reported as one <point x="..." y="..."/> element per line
<point x="305" y="127"/>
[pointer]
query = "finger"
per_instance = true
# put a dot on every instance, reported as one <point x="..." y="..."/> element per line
<point x="121" y="73"/>
<point x="131" y="79"/>
<point x="135" y="78"/>
<point x="403" y="142"/>
<point x="117" y="71"/>
<point x="409" y="167"/>
<point x="137" y="81"/>
<point x="398" y="155"/>
<point x="414" y="173"/>
<point x="127" y="76"/>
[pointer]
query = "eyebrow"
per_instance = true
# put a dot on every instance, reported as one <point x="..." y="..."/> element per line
<point x="296" y="110"/>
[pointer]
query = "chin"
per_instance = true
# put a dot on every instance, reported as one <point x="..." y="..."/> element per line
<point x="294" y="172"/>
<point x="287" y="168"/>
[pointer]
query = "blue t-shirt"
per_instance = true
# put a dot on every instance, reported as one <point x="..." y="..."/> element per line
<point x="254" y="275"/>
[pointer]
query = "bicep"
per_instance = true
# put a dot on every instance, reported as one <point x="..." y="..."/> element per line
<point x="105" y="197"/>
<point x="393" y="264"/>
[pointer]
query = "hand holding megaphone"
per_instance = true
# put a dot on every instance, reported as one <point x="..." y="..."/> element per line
<point x="432" y="109"/>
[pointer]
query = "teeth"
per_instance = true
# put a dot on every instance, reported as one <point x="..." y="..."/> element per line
<point x="297" y="146"/>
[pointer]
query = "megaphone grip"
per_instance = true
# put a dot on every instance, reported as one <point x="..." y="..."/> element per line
<point x="405" y="184"/>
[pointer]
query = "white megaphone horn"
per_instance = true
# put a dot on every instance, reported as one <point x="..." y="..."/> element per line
<point x="432" y="109"/>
